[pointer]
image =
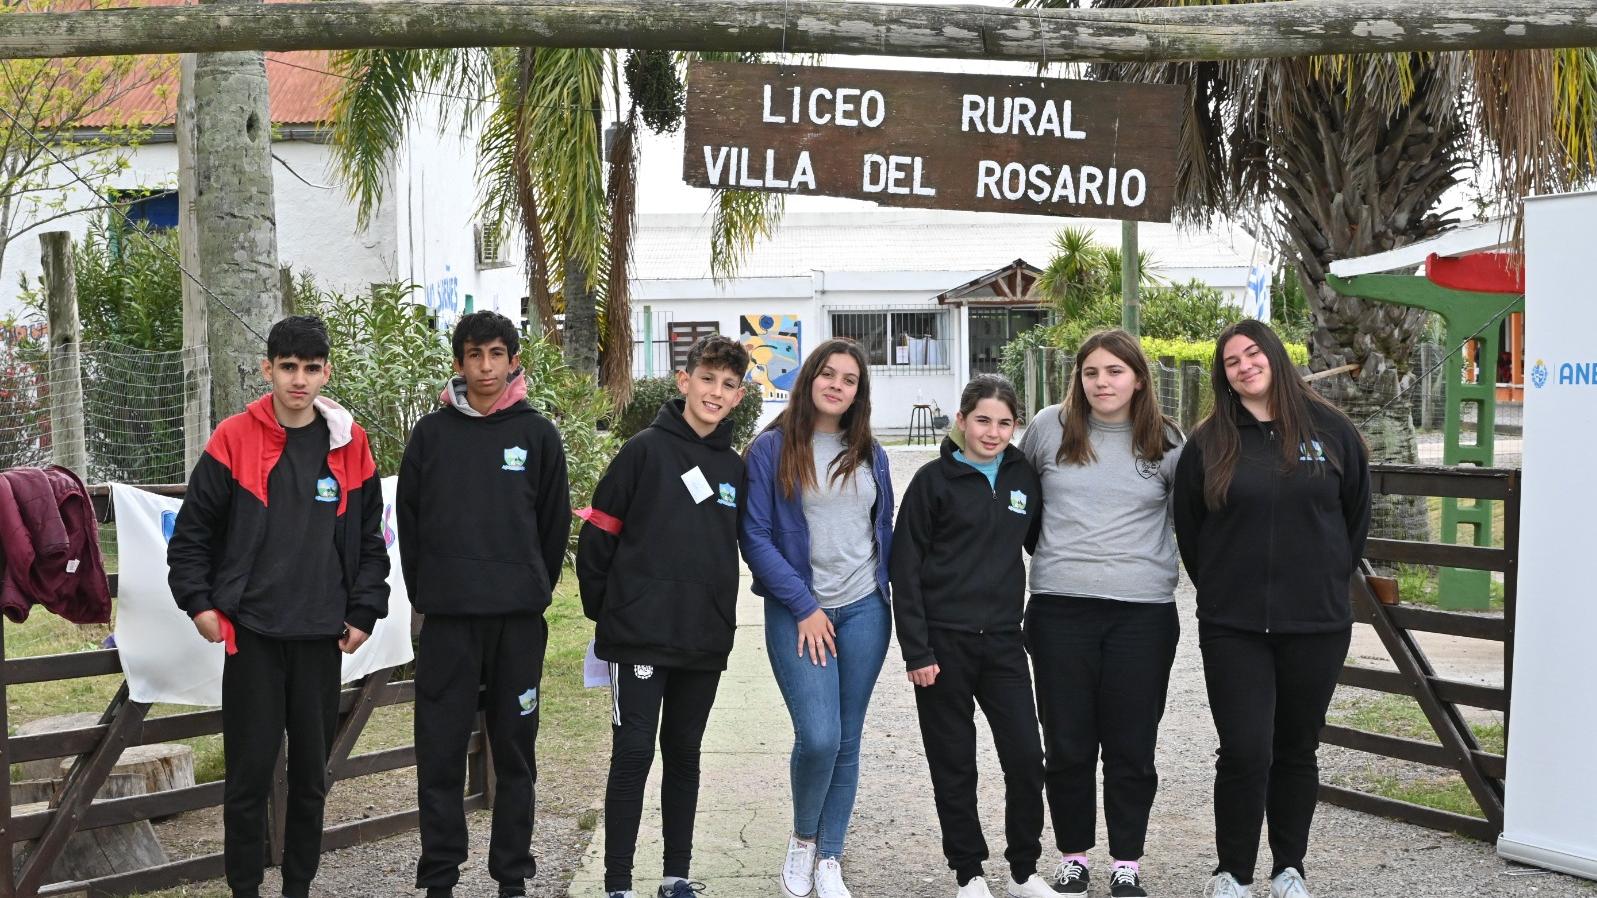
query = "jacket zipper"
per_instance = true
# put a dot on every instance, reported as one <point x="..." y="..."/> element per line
<point x="1269" y="554"/>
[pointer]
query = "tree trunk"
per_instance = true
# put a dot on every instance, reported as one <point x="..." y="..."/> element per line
<point x="1363" y="183"/>
<point x="582" y="321"/>
<point x="196" y="312"/>
<point x="1243" y="31"/>
<point x="236" y="236"/>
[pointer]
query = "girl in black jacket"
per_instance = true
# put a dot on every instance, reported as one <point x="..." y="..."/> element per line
<point x="1272" y="502"/>
<point x="959" y="586"/>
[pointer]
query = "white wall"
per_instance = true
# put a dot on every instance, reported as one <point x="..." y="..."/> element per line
<point x="892" y="392"/>
<point x="316" y="229"/>
<point x="435" y="192"/>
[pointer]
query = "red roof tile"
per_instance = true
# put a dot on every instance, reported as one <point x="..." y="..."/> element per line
<point x="299" y="83"/>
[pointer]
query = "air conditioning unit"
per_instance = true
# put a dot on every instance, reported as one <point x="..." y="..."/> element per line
<point x="491" y="249"/>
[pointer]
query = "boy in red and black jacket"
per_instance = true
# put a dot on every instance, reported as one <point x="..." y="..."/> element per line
<point x="278" y="552"/>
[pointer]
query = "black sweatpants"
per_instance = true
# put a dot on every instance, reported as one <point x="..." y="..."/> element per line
<point x="638" y="695"/>
<point x="1268" y="694"/>
<point x="457" y="655"/>
<point x="270" y="687"/>
<point x="989" y="669"/>
<point x="1103" y="669"/>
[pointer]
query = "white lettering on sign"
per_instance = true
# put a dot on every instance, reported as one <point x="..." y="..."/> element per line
<point x="888" y="174"/>
<point x="1017" y="115"/>
<point x="848" y="107"/>
<point x="1042" y="183"/>
<point x="729" y="167"/>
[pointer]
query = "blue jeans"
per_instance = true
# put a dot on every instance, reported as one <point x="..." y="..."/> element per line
<point x="828" y="709"/>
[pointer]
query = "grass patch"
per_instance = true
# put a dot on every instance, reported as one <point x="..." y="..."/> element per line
<point x="1398" y="715"/>
<point x="1444" y="793"/>
<point x="1417" y="584"/>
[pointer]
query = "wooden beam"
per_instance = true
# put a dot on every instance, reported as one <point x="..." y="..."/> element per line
<point x="1242" y="31"/>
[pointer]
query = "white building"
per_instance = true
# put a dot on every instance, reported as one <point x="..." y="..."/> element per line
<point x="425" y="232"/>
<point x="932" y="296"/>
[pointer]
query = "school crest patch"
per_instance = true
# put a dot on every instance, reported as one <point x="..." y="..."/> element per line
<point x="728" y="495"/>
<point x="1311" y="452"/>
<point x="1017" y="501"/>
<point x="327" y="490"/>
<point x="515" y="459"/>
<point x="528" y="701"/>
<point x="643" y="671"/>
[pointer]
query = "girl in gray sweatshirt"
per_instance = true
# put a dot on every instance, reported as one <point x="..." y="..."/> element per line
<point x="1101" y="626"/>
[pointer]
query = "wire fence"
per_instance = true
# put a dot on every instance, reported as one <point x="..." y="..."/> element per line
<point x="133" y="402"/>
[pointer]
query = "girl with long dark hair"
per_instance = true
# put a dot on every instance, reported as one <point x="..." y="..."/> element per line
<point x="959" y="587"/>
<point x="1272" y="504"/>
<point x="1101" y="626"/>
<point x="816" y="535"/>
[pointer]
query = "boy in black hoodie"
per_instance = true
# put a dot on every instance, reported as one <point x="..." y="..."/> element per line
<point x="657" y="561"/>
<point x="484" y="517"/>
<point x="278" y="552"/>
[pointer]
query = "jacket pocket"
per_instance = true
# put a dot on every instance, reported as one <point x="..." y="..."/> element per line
<point x="682" y="615"/>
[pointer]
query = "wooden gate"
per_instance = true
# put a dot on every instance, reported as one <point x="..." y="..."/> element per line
<point x="1456" y="747"/>
<point x="125" y="723"/>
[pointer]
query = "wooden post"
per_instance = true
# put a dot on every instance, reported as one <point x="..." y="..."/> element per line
<point x="196" y="318"/>
<point x="8" y="886"/>
<point x="1130" y="277"/>
<point x="1191" y="387"/>
<point x="67" y="447"/>
<point x="1148" y="34"/>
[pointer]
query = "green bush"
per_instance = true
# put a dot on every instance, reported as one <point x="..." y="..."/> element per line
<point x="649" y="393"/>
<point x="577" y="405"/>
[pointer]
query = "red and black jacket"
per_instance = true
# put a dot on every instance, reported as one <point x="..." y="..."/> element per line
<point x="222" y="523"/>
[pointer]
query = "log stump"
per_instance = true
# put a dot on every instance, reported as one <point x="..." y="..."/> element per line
<point x="50" y="768"/>
<point x="104" y="851"/>
<point x="163" y="767"/>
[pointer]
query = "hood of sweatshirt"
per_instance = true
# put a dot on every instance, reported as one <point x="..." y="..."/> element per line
<point x="454" y="394"/>
<point x="340" y="423"/>
<point x="673" y="420"/>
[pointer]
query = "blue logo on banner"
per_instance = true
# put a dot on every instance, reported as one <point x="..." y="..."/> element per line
<point x="1538" y="374"/>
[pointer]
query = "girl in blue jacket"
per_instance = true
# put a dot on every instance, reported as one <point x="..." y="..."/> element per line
<point x="816" y="534"/>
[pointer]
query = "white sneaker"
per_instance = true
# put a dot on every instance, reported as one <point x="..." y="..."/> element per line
<point x="1289" y="884"/>
<point x="976" y="888"/>
<point x="829" y="880"/>
<point x="1035" y="887"/>
<point x="798" y="871"/>
<point x="1224" y="885"/>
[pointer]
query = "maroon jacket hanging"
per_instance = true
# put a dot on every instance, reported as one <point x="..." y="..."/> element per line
<point x="51" y="545"/>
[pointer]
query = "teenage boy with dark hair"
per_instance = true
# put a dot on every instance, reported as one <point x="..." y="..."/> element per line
<point x="278" y="552"/>
<point x="484" y="518"/>
<point x="657" y="561"/>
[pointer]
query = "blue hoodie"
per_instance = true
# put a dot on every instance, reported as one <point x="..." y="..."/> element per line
<point x="776" y="537"/>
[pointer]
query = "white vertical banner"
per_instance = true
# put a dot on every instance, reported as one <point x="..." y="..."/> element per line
<point x="163" y="657"/>
<point x="1551" y="789"/>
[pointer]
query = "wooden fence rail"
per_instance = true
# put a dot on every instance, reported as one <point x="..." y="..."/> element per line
<point x="125" y="723"/>
<point x="1456" y="747"/>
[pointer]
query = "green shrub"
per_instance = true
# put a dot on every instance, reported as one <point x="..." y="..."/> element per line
<point x="649" y="393"/>
<point x="577" y="405"/>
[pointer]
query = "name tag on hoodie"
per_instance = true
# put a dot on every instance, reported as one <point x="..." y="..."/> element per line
<point x="698" y="487"/>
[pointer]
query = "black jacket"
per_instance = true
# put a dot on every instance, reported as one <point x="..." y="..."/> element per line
<point x="956" y="560"/>
<point x="659" y="570"/>
<point x="1279" y="555"/>
<point x="484" y="512"/>
<point x="222" y="524"/>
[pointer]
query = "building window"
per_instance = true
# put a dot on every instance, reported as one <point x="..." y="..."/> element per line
<point x="155" y="209"/>
<point x="683" y="335"/>
<point x="908" y="340"/>
<point x="992" y="328"/>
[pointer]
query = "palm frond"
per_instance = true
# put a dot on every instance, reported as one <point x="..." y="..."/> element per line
<point x="562" y="108"/>
<point x="740" y="218"/>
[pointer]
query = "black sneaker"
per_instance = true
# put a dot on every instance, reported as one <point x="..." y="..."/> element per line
<point x="682" y="888"/>
<point x="512" y="890"/>
<point x="441" y="893"/>
<point x="1070" y="878"/>
<point x="1124" y="883"/>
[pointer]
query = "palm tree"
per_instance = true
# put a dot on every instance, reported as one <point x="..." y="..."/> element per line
<point x="543" y="163"/>
<point x="1339" y="157"/>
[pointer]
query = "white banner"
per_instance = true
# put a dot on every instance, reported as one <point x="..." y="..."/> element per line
<point x="163" y="657"/>
<point x="1550" y="801"/>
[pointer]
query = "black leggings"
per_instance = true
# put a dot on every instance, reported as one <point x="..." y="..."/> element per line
<point x="639" y="692"/>
<point x="1102" y="668"/>
<point x="1269" y="694"/>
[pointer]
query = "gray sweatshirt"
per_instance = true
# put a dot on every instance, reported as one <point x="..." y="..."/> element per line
<point x="1106" y="529"/>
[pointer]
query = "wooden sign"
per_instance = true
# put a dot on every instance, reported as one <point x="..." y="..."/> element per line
<point x="991" y="143"/>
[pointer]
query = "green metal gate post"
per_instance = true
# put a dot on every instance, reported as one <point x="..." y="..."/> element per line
<point x="1463" y="313"/>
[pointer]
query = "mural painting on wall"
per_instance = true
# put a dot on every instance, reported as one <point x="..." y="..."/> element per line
<point x="774" y="353"/>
